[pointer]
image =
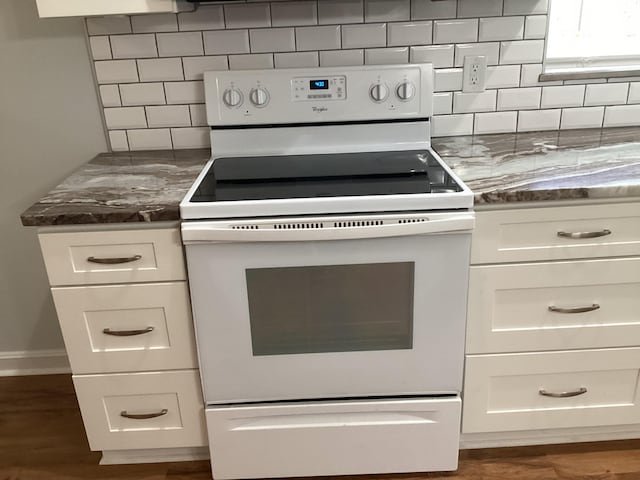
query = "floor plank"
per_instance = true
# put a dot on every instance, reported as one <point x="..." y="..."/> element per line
<point x="42" y="438"/>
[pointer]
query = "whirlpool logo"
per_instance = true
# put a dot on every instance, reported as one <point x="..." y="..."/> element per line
<point x="319" y="109"/>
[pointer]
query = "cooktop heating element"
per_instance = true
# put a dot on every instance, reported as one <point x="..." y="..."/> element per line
<point x="323" y="175"/>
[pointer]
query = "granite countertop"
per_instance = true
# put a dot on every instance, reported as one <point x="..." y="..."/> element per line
<point x="564" y="165"/>
<point x="121" y="187"/>
<point x="148" y="186"/>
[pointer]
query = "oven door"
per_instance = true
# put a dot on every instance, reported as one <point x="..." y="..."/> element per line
<point x="359" y="309"/>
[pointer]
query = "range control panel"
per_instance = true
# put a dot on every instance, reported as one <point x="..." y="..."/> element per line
<point x="315" y="88"/>
<point x="323" y="94"/>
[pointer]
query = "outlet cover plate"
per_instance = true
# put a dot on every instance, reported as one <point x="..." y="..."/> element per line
<point x="474" y="77"/>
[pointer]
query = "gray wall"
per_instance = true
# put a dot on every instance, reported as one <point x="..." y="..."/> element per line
<point x="49" y="125"/>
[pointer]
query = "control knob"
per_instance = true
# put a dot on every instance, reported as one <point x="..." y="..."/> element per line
<point x="405" y="91"/>
<point x="379" y="92"/>
<point x="232" y="97"/>
<point x="259" y="97"/>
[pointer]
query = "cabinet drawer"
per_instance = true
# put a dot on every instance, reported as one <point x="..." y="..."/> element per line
<point x="535" y="233"/>
<point x="505" y="392"/>
<point x="333" y="438"/>
<point x="120" y="328"/>
<point x="539" y="306"/>
<point x="171" y="400"/>
<point x="123" y="256"/>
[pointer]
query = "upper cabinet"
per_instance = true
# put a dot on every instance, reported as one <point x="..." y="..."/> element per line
<point x="85" y="8"/>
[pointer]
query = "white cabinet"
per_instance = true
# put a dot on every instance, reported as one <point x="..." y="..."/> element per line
<point x="120" y="328"/>
<point x="122" y="256"/>
<point x="553" y="233"/>
<point x="524" y="307"/>
<point x="86" y="8"/>
<point x="530" y="391"/>
<point x="142" y="410"/>
<point x="123" y="305"/>
<point x="553" y="327"/>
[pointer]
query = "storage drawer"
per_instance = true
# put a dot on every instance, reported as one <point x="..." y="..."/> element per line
<point x="123" y="256"/>
<point x="507" y="392"/>
<point x="554" y="306"/>
<point x="120" y="328"/>
<point x="334" y="438"/>
<point x="166" y="409"/>
<point x="535" y="233"/>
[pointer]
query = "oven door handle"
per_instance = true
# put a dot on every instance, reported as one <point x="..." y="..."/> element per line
<point x="205" y="232"/>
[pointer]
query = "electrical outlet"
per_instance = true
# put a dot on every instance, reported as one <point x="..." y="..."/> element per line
<point x="474" y="77"/>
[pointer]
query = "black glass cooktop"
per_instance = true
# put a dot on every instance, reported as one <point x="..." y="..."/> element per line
<point x="323" y="175"/>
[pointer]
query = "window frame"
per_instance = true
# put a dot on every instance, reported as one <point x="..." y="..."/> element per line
<point x="603" y="67"/>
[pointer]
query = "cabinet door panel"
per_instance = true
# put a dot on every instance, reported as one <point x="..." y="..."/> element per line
<point x="142" y="410"/>
<point x="127" y="256"/>
<point x="124" y="328"/>
<point x="554" y="306"/>
<point x="552" y="233"/>
<point x="532" y="391"/>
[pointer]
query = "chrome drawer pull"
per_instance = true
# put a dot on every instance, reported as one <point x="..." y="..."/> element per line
<point x="574" y="393"/>
<point x="127" y="333"/>
<point x="114" y="261"/>
<point x="143" y="416"/>
<point x="601" y="233"/>
<point x="590" y="308"/>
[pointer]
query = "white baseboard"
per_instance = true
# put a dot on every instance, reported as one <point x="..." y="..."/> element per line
<point x="34" y="362"/>
<point x="155" y="455"/>
<point x="549" y="436"/>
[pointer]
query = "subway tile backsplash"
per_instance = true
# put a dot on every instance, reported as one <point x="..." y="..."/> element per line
<point x="133" y="94"/>
<point x="566" y="96"/>
<point x="154" y="70"/>
<point x="607" y="94"/>
<point x="149" y="67"/>
<point x="529" y="121"/>
<point x="585" y="117"/>
<point x="455" y="31"/>
<point x="116" y="71"/>
<point x="495" y="122"/>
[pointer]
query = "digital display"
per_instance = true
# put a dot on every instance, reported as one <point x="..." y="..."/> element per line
<point x="319" y="84"/>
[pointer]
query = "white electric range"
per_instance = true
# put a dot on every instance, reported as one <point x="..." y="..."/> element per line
<point x="328" y="254"/>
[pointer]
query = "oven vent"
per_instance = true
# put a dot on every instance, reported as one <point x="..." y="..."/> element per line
<point x="245" y="227"/>
<point x="296" y="226"/>
<point x="412" y="220"/>
<point x="358" y="223"/>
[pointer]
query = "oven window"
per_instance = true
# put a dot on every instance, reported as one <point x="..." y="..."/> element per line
<point x="334" y="308"/>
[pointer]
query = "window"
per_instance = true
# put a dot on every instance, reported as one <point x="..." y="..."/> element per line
<point x="331" y="308"/>
<point x="593" y="36"/>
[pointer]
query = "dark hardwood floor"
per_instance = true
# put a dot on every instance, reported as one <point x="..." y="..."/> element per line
<point x="42" y="438"/>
